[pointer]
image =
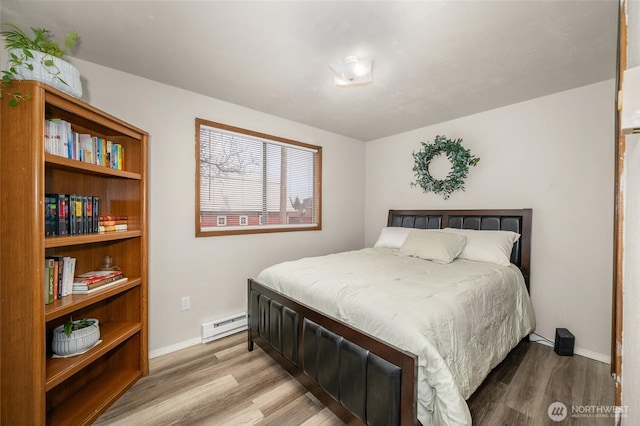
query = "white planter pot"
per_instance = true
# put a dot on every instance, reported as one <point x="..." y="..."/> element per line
<point x="60" y="75"/>
<point x="78" y="341"/>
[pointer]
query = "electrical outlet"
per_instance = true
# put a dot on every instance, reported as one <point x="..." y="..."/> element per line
<point x="186" y="303"/>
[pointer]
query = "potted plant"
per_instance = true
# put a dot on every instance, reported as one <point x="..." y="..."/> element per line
<point x="39" y="58"/>
<point x="75" y="337"/>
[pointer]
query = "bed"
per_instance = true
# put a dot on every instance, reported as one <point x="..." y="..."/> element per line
<point x="383" y="336"/>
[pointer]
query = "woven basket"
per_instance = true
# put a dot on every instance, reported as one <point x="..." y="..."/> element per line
<point x="61" y="75"/>
<point x="78" y="341"/>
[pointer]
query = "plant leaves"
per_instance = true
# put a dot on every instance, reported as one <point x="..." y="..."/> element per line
<point x="460" y="158"/>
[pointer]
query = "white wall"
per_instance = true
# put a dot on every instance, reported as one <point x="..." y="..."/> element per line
<point x="213" y="270"/>
<point x="633" y="33"/>
<point x="553" y="154"/>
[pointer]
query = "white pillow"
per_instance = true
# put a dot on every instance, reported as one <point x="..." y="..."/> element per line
<point x="431" y="244"/>
<point x="392" y="237"/>
<point x="487" y="246"/>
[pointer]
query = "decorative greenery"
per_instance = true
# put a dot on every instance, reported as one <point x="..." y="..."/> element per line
<point x="16" y="39"/>
<point x="71" y="325"/>
<point x="460" y="158"/>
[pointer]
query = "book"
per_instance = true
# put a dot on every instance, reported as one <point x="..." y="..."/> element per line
<point x="52" y="137"/>
<point x="87" y="208"/>
<point x="75" y="147"/>
<point x="79" y="215"/>
<point x="117" y="156"/>
<point x="108" y="158"/>
<point x="56" y="279"/>
<point x="95" y="278"/>
<point x="60" y="137"/>
<point x="67" y="276"/>
<point x="58" y="276"/>
<point x="103" y="152"/>
<point x="58" y="223"/>
<point x="112" y="223"/>
<point x="96" y="212"/>
<point x="71" y="202"/>
<point x="86" y="148"/>
<point x="97" y="149"/>
<point x="100" y="287"/>
<point x="110" y="217"/>
<point x="70" y="271"/>
<point x="63" y="214"/>
<point x="50" y="215"/>
<point x="48" y="281"/>
<point x="112" y="228"/>
<point x="65" y="267"/>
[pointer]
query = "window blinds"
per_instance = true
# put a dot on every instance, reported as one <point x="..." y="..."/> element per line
<point x="255" y="182"/>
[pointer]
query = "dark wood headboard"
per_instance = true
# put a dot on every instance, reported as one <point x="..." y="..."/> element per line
<point x="506" y="220"/>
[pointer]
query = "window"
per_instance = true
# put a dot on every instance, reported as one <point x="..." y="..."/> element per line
<point x="255" y="182"/>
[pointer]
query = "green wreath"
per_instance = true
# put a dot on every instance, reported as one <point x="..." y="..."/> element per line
<point x="460" y="158"/>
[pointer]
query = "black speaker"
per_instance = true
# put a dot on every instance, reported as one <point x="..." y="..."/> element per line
<point x="564" y="342"/>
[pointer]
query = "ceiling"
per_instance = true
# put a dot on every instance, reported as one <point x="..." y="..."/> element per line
<point x="433" y="60"/>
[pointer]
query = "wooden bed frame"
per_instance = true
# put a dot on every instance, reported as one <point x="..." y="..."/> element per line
<point x="362" y="379"/>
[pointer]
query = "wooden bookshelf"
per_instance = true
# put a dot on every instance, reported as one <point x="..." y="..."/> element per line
<point x="36" y="388"/>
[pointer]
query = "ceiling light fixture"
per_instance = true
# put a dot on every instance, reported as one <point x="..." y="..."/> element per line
<point x="352" y="71"/>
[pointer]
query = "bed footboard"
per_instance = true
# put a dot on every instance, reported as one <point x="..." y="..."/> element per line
<point x="360" y="378"/>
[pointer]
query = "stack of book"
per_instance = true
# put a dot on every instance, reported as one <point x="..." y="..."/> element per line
<point x="92" y="281"/>
<point x="61" y="140"/>
<point x="112" y="223"/>
<point x="70" y="214"/>
<point x="58" y="277"/>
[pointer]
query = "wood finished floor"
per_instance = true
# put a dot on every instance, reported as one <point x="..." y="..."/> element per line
<point x="221" y="383"/>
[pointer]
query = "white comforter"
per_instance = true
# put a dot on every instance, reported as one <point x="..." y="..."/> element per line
<point x="461" y="319"/>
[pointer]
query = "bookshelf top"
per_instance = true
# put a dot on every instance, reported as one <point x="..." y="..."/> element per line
<point x="61" y="105"/>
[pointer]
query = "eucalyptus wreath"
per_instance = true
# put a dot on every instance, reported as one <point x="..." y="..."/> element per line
<point x="460" y="158"/>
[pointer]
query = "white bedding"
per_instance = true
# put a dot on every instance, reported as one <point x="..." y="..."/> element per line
<point x="461" y="319"/>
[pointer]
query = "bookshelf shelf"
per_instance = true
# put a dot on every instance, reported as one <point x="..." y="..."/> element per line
<point x="51" y="242"/>
<point x="67" y="305"/>
<point x="93" y="399"/>
<point x="55" y="161"/>
<point x="36" y="388"/>
<point x="111" y="333"/>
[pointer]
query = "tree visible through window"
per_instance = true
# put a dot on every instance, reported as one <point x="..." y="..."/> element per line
<point x="257" y="182"/>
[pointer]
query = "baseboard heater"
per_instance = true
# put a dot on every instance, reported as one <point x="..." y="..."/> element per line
<point x="217" y="329"/>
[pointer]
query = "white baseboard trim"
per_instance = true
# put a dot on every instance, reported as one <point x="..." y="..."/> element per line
<point x="593" y="355"/>
<point x="533" y="337"/>
<point x="577" y="350"/>
<point x="175" y="347"/>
